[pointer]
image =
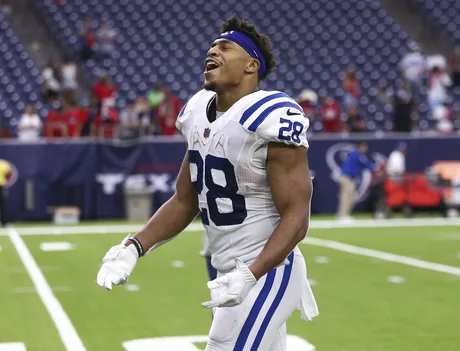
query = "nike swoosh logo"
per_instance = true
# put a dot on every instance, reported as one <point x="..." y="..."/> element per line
<point x="289" y="113"/>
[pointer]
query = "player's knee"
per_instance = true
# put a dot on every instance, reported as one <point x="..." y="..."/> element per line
<point x="221" y="336"/>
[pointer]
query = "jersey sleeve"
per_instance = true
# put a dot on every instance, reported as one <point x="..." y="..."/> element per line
<point x="279" y="119"/>
<point x="180" y="120"/>
<point x="185" y="112"/>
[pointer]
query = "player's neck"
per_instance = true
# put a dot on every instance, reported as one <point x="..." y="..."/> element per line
<point x="226" y="99"/>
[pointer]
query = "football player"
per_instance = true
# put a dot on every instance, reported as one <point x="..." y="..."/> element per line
<point x="246" y="173"/>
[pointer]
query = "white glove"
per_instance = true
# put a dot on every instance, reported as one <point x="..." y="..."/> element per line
<point x="117" y="265"/>
<point x="232" y="288"/>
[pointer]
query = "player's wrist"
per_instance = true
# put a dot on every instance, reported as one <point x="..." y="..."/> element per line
<point x="246" y="271"/>
<point x="255" y="272"/>
<point x="135" y="242"/>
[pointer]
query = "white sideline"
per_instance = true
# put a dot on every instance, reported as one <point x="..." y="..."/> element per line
<point x="64" y="326"/>
<point x="356" y="250"/>
<point x="315" y="224"/>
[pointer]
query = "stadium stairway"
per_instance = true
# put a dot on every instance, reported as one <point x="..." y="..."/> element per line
<point x="30" y="30"/>
<point x="37" y="31"/>
<point x="20" y="79"/>
<point x="444" y="14"/>
<point x="411" y="18"/>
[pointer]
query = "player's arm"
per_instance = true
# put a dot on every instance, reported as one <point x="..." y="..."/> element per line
<point x="291" y="187"/>
<point x="174" y="216"/>
<point x="165" y="224"/>
<point x="179" y="210"/>
<point x="366" y="163"/>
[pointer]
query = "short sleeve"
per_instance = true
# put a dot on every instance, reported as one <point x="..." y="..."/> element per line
<point x="179" y="120"/>
<point x="186" y="111"/>
<point x="279" y="119"/>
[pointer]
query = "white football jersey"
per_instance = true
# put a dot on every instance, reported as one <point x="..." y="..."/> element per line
<point x="228" y="168"/>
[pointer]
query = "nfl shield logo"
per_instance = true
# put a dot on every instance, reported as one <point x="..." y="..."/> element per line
<point x="206" y="133"/>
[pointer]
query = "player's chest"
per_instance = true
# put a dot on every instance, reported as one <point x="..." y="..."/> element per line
<point x="219" y="138"/>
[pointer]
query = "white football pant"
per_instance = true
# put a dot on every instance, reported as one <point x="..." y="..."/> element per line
<point x="259" y="323"/>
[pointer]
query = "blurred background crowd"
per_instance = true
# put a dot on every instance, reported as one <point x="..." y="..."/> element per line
<point x="95" y="71"/>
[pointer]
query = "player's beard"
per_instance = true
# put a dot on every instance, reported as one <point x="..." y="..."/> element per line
<point x="214" y="81"/>
<point x="212" y="86"/>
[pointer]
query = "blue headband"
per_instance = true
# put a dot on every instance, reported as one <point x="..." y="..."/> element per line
<point x="248" y="45"/>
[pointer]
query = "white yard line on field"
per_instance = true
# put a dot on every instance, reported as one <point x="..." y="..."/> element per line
<point x="409" y="261"/>
<point x="315" y="224"/>
<point x="64" y="326"/>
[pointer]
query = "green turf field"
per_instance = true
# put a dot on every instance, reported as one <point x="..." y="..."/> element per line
<point x="367" y="301"/>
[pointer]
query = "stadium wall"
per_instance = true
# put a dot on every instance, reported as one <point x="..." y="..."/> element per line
<point x="92" y="175"/>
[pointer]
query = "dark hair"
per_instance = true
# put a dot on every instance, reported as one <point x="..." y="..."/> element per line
<point x="262" y="42"/>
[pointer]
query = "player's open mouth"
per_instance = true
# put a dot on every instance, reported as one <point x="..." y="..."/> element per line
<point x="210" y="65"/>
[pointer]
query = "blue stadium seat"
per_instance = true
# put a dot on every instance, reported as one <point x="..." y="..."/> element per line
<point x="445" y="14"/>
<point x="314" y="41"/>
<point x="20" y="80"/>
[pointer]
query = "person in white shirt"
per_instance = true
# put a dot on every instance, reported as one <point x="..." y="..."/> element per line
<point x="69" y="81"/>
<point x="129" y="126"/>
<point x="30" y="125"/>
<point x="50" y="82"/>
<point x="442" y="115"/>
<point x="437" y="60"/>
<point x="437" y="91"/>
<point x="413" y="66"/>
<point x="396" y="164"/>
<point x="106" y="39"/>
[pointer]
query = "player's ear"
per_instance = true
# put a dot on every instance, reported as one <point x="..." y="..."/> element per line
<point x="252" y="66"/>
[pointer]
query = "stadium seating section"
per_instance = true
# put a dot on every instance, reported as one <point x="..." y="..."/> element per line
<point x="445" y="14"/>
<point x="315" y="42"/>
<point x="20" y="80"/>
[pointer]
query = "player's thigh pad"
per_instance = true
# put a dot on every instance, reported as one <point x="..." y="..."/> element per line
<point x="255" y="324"/>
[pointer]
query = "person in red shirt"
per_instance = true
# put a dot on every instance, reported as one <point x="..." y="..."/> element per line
<point x="167" y="113"/>
<point x="308" y="100"/>
<point x="105" y="92"/>
<point x="55" y="125"/>
<point x="104" y="89"/>
<point x="74" y="118"/>
<point x="351" y="87"/>
<point x="330" y="115"/>
<point x="105" y="127"/>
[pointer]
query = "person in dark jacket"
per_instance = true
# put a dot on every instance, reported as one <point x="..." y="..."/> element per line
<point x="403" y="107"/>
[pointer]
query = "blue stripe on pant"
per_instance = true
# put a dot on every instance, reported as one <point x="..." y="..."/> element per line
<point x="255" y="310"/>
<point x="275" y="304"/>
<point x="254" y="313"/>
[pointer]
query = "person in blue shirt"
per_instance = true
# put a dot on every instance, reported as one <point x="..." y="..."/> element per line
<point x="355" y="163"/>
